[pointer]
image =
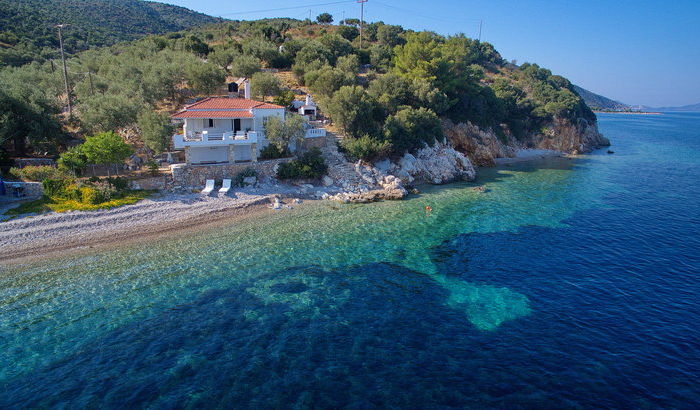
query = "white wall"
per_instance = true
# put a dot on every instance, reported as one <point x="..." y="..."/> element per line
<point x="242" y="153"/>
<point x="208" y="154"/>
<point x="220" y="125"/>
<point x="261" y="114"/>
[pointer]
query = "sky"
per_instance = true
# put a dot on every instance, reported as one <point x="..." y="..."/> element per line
<point x="639" y="52"/>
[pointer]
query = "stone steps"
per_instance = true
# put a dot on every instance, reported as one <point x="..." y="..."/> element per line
<point x="339" y="169"/>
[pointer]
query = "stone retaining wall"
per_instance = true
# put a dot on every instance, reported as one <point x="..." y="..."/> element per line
<point x="153" y="183"/>
<point x="29" y="189"/>
<point x="318" y="142"/>
<point x="23" y="162"/>
<point x="194" y="176"/>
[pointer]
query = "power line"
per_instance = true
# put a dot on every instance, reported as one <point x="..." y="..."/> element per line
<point x="422" y="15"/>
<point x="287" y="8"/>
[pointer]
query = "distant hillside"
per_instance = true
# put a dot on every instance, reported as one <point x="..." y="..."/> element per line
<point x="691" y="107"/>
<point x="27" y="29"/>
<point x="598" y="102"/>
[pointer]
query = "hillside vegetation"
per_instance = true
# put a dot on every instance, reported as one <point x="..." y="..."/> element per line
<point x="386" y="98"/>
<point x="27" y="31"/>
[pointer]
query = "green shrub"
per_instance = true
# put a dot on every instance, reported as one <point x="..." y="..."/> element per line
<point x="72" y="193"/>
<point x="308" y="165"/>
<point x="38" y="173"/>
<point x="412" y="128"/>
<point x="152" y="167"/>
<point x="273" y="152"/>
<point x="55" y="187"/>
<point x="120" y="184"/>
<point x="284" y="98"/>
<point x="106" y="191"/>
<point x="246" y="173"/>
<point x="93" y="191"/>
<point x="90" y="195"/>
<point x="73" y="160"/>
<point x="365" y="148"/>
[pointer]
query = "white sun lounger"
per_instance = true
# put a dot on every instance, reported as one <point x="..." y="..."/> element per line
<point x="208" y="187"/>
<point x="225" y="187"/>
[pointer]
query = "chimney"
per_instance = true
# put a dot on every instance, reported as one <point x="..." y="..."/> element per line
<point x="308" y="99"/>
<point x="246" y="89"/>
<point x="233" y="90"/>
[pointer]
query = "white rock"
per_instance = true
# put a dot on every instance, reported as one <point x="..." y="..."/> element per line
<point x="438" y="164"/>
<point x="327" y="181"/>
<point x="383" y="165"/>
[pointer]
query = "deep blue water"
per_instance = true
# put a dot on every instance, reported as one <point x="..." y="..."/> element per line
<point x="568" y="284"/>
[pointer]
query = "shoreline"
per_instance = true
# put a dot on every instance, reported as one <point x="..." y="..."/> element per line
<point x="529" y="154"/>
<point x="630" y="112"/>
<point x="32" y="238"/>
<point x="47" y="236"/>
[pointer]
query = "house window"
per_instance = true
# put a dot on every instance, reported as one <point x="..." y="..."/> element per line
<point x="210" y="123"/>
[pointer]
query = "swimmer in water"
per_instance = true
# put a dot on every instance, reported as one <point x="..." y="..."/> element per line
<point x="428" y="210"/>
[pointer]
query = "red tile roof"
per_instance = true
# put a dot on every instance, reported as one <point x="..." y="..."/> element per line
<point x="213" y="114"/>
<point x="268" y="106"/>
<point x="225" y="103"/>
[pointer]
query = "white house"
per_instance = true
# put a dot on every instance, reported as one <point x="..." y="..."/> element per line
<point x="307" y="107"/>
<point x="224" y="130"/>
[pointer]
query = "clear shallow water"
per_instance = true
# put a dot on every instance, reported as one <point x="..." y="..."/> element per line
<point x="569" y="283"/>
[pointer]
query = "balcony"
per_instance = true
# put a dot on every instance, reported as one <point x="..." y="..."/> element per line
<point x="315" y="133"/>
<point x="210" y="139"/>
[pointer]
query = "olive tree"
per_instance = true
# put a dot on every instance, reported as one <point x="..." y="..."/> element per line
<point x="204" y="78"/>
<point x="264" y="85"/>
<point x="156" y="130"/>
<point x="354" y="111"/>
<point x="105" y="148"/>
<point x="324" y="18"/>
<point x="245" y="66"/>
<point x="282" y="133"/>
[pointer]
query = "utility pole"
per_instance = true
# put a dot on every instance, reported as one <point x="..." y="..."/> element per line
<point x="310" y="16"/>
<point x="92" y="90"/>
<point x="65" y="70"/>
<point x="481" y="22"/>
<point x="362" y="17"/>
<point x="342" y="22"/>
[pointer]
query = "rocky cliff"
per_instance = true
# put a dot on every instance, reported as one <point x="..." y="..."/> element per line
<point x="482" y="147"/>
<point x="438" y="164"/>
<point x="578" y="138"/>
<point x="453" y="159"/>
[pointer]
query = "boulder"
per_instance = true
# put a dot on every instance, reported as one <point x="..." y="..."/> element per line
<point x="327" y="181"/>
<point x="438" y="164"/>
<point x="383" y="165"/>
<point x="276" y="204"/>
<point x="250" y="180"/>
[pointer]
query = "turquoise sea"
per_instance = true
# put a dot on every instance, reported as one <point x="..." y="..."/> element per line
<point x="568" y="283"/>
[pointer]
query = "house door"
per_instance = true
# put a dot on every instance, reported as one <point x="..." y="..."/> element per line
<point x="236" y="124"/>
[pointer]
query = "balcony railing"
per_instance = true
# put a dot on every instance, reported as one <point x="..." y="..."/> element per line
<point x="205" y="138"/>
<point x="315" y="132"/>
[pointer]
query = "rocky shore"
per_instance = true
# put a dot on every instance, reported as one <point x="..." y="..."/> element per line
<point x="358" y="182"/>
